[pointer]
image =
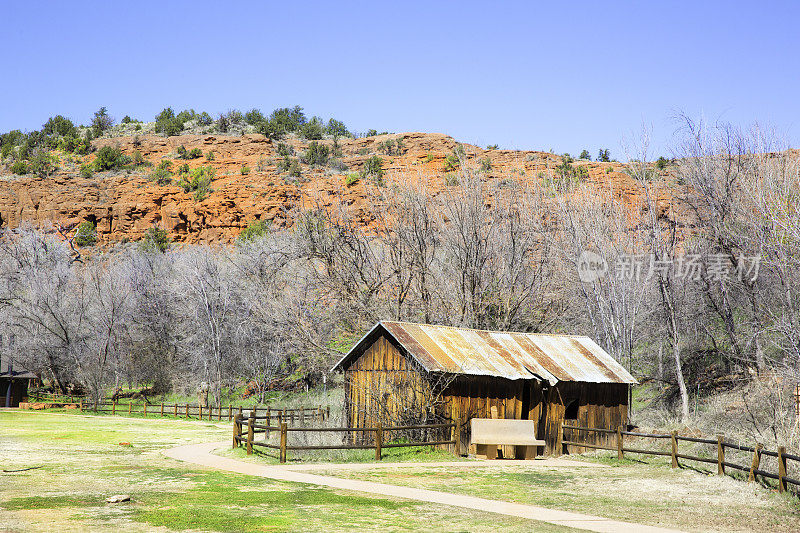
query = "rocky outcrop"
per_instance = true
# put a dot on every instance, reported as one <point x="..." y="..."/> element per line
<point x="248" y="183"/>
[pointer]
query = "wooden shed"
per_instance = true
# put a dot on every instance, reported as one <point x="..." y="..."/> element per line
<point x="14" y="381"/>
<point x="402" y="373"/>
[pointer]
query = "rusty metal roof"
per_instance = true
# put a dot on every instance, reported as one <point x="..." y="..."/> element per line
<point x="509" y="355"/>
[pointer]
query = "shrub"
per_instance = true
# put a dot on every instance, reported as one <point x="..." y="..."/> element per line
<point x="662" y="163"/>
<point x="567" y="171"/>
<point x="60" y="126"/>
<point x="337" y="164"/>
<point x="138" y="160"/>
<point x="245" y="170"/>
<point x="86" y="234"/>
<point x="19" y="168"/>
<point x="70" y="144"/>
<point x="604" y="155"/>
<point x="42" y="163"/>
<point x="167" y="123"/>
<point x="204" y="119"/>
<point x="254" y="230"/>
<point x="428" y="158"/>
<point x="101" y="122"/>
<point x="492" y="147"/>
<point x="233" y="117"/>
<point x="254" y="117"/>
<point x="451" y="179"/>
<point x="313" y="129"/>
<point x="585" y="155"/>
<point x="294" y="169"/>
<point x="392" y="146"/>
<point x="194" y="153"/>
<point x="155" y="240"/>
<point x="86" y="171"/>
<point x="486" y="164"/>
<point x="198" y="181"/>
<point x="109" y="158"/>
<point x="336" y="128"/>
<point x="336" y="149"/>
<point x="284" y="120"/>
<point x="162" y="175"/>
<point x="609" y="170"/>
<point x="284" y="150"/>
<point x="316" y="154"/>
<point x="184" y="169"/>
<point x="451" y="163"/>
<point x="186" y="115"/>
<point x="352" y="179"/>
<point x="210" y="155"/>
<point x="222" y="124"/>
<point x="371" y="133"/>
<point x="126" y="119"/>
<point x="373" y="169"/>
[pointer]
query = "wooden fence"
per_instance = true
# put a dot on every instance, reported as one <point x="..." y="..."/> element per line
<point x="245" y="429"/>
<point x="190" y="411"/>
<point x="753" y="470"/>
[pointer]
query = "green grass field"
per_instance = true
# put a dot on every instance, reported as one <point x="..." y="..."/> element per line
<point x="75" y="461"/>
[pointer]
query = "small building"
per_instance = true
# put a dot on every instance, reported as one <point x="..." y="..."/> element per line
<point x="403" y="373"/>
<point x="14" y="381"/>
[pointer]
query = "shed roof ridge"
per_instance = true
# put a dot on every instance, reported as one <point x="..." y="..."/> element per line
<point x="486" y="330"/>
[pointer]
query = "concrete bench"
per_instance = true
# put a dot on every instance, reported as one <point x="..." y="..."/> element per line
<point x="489" y="433"/>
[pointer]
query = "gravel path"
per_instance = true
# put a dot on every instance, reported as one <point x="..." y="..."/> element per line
<point x="201" y="454"/>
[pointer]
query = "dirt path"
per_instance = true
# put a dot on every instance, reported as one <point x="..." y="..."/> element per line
<point x="201" y="454"/>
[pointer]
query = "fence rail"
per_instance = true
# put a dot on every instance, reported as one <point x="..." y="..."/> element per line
<point x="721" y="444"/>
<point x="245" y="429"/>
<point x="190" y="411"/>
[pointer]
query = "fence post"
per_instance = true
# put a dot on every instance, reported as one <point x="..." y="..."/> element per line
<point x="230" y="411"/>
<point x="162" y="408"/>
<point x="756" y="462"/>
<point x="187" y="410"/>
<point x="378" y="441"/>
<point x="199" y="411"/>
<point x="113" y="407"/>
<point x="176" y="409"/>
<point x="268" y="422"/>
<point x="781" y="468"/>
<point x="283" y="442"/>
<point x="674" y="439"/>
<point x="130" y="408"/>
<point x="720" y="455"/>
<point x="328" y="412"/>
<point x="237" y="431"/>
<point x="144" y="410"/>
<point x="250" y="422"/>
<point x="81" y="406"/>
<point x="620" y="454"/>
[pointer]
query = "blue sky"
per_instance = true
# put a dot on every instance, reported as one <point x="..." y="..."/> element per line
<point x="523" y="75"/>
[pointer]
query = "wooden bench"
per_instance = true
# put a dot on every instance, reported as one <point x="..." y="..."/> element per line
<point x="489" y="433"/>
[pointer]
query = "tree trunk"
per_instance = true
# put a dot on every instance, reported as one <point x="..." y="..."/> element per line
<point x="676" y="352"/>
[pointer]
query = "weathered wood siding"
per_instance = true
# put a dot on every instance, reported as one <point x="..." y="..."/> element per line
<point x="469" y="397"/>
<point x="383" y="385"/>
<point x="600" y="405"/>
